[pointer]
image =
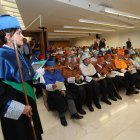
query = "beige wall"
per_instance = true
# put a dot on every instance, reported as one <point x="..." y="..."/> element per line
<point x="60" y="44"/>
<point x="83" y="41"/>
<point x="119" y="39"/>
<point x="114" y="39"/>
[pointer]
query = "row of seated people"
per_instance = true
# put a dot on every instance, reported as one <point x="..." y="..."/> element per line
<point x="73" y="85"/>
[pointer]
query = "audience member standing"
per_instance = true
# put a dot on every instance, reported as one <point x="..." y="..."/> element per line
<point x="26" y="49"/>
<point x="128" y="44"/>
<point x="102" y="43"/>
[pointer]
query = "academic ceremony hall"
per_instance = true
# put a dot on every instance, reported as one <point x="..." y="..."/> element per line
<point x="85" y="57"/>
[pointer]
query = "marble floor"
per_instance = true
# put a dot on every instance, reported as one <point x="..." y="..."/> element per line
<point x="119" y="121"/>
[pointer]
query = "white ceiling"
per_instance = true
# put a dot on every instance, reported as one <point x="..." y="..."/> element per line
<point x="54" y="15"/>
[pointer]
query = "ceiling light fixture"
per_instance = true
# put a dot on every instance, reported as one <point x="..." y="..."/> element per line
<point x="80" y="32"/>
<point x="87" y="28"/>
<point x="120" y="13"/>
<point x="67" y="34"/>
<point x="62" y="37"/>
<point x="103" y="23"/>
<point x="8" y="4"/>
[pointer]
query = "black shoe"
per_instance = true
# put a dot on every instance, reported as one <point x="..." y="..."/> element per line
<point x="81" y="111"/>
<point x="118" y="96"/>
<point x="112" y="98"/>
<point x="137" y="87"/>
<point x="91" y="108"/>
<point x="63" y="121"/>
<point x="98" y="105"/>
<point x="129" y="92"/>
<point x="135" y="92"/>
<point x="106" y="101"/>
<point x="76" y="116"/>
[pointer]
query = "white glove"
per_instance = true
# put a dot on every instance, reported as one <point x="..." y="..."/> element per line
<point x="88" y="79"/>
<point x="71" y="80"/>
<point x="40" y="72"/>
<point x="82" y="77"/>
<point x="123" y="70"/>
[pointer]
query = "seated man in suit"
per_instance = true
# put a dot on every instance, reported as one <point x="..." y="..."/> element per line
<point x="122" y="64"/>
<point x="58" y="96"/>
<point x="107" y="87"/>
<point x="114" y="75"/>
<point x="75" y="81"/>
<point x="92" y="86"/>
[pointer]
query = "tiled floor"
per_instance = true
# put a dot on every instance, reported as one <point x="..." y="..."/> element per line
<point x="120" y="121"/>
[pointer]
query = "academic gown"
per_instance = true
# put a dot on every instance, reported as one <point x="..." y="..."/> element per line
<point x="11" y="89"/>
